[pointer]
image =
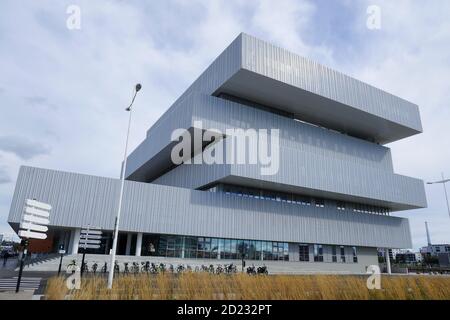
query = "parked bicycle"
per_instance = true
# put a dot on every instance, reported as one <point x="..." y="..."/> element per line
<point x="180" y="268"/>
<point x="72" y="266"/>
<point x="125" y="269"/>
<point x="135" y="267"/>
<point x="251" y="270"/>
<point x="94" y="267"/>
<point x="231" y="268"/>
<point x="263" y="270"/>
<point x="153" y="268"/>
<point x="145" y="266"/>
<point x="85" y="267"/>
<point x="219" y="269"/>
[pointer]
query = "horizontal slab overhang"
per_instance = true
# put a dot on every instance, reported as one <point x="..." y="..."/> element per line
<point x="351" y="185"/>
<point x="318" y="109"/>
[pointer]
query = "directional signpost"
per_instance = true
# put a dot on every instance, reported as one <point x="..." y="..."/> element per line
<point x="33" y="226"/>
<point x="90" y="238"/>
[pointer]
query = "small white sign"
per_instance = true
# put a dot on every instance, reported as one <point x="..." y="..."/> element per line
<point x="98" y="232"/>
<point x="90" y="238"/>
<point x="62" y="251"/>
<point x="35" y="220"/>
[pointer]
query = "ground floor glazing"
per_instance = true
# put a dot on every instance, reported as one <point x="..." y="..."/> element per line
<point x="191" y="247"/>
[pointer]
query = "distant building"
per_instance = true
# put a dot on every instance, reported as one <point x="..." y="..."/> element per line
<point x="382" y="253"/>
<point x="401" y="255"/>
<point x="444" y="259"/>
<point x="407" y="257"/>
<point x="435" y="249"/>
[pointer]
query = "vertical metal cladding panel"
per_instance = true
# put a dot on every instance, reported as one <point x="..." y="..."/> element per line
<point x="222" y="114"/>
<point x="310" y="157"/>
<point x="78" y="200"/>
<point x="282" y="65"/>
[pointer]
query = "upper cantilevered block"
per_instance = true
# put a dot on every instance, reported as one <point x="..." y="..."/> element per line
<point x="257" y="71"/>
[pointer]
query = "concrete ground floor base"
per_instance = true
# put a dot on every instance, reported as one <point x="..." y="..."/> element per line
<point x="274" y="267"/>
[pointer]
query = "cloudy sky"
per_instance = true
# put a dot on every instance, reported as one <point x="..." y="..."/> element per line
<point x="63" y="91"/>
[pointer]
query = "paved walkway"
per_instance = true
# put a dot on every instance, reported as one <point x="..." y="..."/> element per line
<point x="26" y="283"/>
<point x="25" y="295"/>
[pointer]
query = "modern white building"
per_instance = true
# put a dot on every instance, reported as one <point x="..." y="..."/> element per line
<point x="328" y="207"/>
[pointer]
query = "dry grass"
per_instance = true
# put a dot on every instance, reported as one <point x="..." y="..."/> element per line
<point x="199" y="286"/>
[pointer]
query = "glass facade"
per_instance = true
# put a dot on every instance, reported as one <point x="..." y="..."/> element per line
<point x="303" y="252"/>
<point x="219" y="248"/>
<point x="296" y="199"/>
<point x="213" y="248"/>
<point x="333" y="254"/>
<point x="318" y="253"/>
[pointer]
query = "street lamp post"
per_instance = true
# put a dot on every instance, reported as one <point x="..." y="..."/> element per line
<point x="122" y="182"/>
<point x="443" y="182"/>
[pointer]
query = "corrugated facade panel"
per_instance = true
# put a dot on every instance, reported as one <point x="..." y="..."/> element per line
<point x="282" y="65"/>
<point x="223" y="114"/>
<point x="79" y="200"/>
<point x="315" y="172"/>
<point x="310" y="157"/>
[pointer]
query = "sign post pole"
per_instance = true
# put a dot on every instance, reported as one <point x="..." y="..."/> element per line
<point x="90" y="238"/>
<point x="61" y="252"/>
<point x="22" y="259"/>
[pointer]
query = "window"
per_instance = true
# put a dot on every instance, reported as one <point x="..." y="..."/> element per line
<point x="227" y="249"/>
<point x="251" y="250"/>
<point x="214" y="248"/>
<point x="318" y="253"/>
<point x="258" y="250"/>
<point x="342" y="249"/>
<point x="303" y="252"/>
<point x="274" y="250"/>
<point x="320" y="203"/>
<point x="222" y="248"/>
<point x="341" y="206"/>
<point x="355" y="256"/>
<point x="286" y="251"/>
<point x="234" y="248"/>
<point x="334" y="253"/>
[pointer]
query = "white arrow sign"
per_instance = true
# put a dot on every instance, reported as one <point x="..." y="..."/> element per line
<point x="37" y="204"/>
<point x="34" y="227"/>
<point x="90" y="246"/>
<point x="91" y="232"/>
<point x="37" y="212"/>
<point x="29" y="217"/>
<point x="35" y="220"/>
<point x="90" y="241"/>
<point x="33" y="235"/>
<point x="91" y="236"/>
